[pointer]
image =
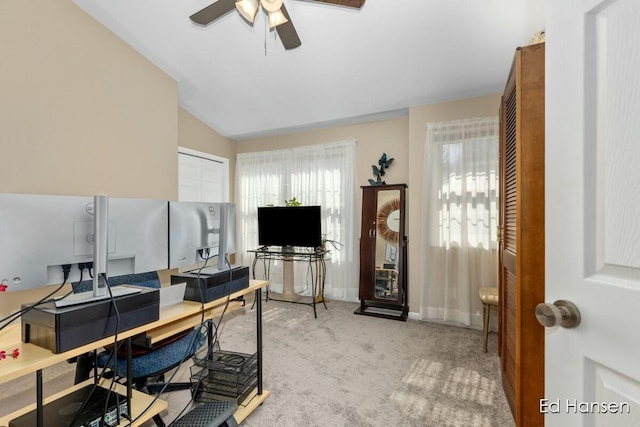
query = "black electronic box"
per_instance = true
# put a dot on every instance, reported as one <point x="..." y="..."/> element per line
<point x="65" y="328"/>
<point x="206" y="286"/>
<point x="92" y="406"/>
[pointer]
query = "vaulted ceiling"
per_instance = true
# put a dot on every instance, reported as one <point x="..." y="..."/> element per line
<point x="353" y="65"/>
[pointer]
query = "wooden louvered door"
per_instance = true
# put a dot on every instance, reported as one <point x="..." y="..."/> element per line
<point x="522" y="235"/>
<point x="508" y="182"/>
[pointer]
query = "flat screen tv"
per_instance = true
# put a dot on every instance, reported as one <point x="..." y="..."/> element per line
<point x="289" y="226"/>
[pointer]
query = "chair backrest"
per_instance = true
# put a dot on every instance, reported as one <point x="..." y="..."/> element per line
<point x="148" y="280"/>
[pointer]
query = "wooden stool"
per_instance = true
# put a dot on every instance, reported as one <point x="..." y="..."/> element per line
<point x="489" y="298"/>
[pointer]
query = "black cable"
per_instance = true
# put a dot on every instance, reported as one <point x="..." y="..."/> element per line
<point x="74" y="289"/>
<point x="81" y="267"/>
<point x="112" y="359"/>
<point x="115" y="346"/>
<point x="192" y="344"/>
<point x="211" y="346"/>
<point x="10" y="318"/>
<point x="195" y="389"/>
<point x="101" y="376"/>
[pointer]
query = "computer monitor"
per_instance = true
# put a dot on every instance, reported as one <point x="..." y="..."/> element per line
<point x="40" y="233"/>
<point x="391" y="253"/>
<point x="199" y="232"/>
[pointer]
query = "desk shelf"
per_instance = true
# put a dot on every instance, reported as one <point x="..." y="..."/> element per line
<point x="139" y="403"/>
<point x="250" y="404"/>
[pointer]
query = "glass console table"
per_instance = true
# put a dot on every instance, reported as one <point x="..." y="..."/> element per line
<point x="315" y="257"/>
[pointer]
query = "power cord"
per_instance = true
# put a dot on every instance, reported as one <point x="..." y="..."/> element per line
<point x="89" y="266"/>
<point x="215" y="340"/>
<point x="109" y="360"/>
<point x="74" y="286"/>
<point x="206" y="257"/>
<point x="203" y="324"/>
<point x="66" y="268"/>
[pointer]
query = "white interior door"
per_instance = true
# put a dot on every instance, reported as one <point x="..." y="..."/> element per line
<point x="593" y="211"/>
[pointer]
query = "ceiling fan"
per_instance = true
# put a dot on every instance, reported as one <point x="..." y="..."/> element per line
<point x="278" y="15"/>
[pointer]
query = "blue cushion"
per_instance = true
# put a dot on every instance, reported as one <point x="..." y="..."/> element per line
<point x="149" y="280"/>
<point x="158" y="361"/>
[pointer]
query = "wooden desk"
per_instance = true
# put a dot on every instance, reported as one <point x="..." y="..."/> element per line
<point x="173" y="318"/>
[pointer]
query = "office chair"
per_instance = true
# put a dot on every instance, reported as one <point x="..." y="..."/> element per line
<point x="147" y="364"/>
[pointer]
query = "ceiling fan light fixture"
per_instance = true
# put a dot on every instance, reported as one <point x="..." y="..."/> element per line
<point x="271" y="5"/>
<point x="248" y="9"/>
<point x="276" y="18"/>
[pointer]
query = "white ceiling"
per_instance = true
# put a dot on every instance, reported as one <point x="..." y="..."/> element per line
<point x="353" y="65"/>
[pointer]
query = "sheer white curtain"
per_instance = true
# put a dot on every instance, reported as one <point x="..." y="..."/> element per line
<point x="322" y="175"/>
<point x="461" y="211"/>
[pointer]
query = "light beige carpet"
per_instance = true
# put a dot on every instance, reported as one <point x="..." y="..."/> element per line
<point x="343" y="369"/>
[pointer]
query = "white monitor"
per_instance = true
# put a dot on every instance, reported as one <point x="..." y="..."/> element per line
<point x="40" y="233"/>
<point x="200" y="231"/>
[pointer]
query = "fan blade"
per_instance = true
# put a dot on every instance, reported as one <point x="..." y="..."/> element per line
<point x="287" y="32"/>
<point x="357" y="4"/>
<point x="213" y="12"/>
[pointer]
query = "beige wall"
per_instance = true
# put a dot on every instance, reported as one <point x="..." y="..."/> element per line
<point x="82" y="113"/>
<point x="372" y="139"/>
<point x="194" y="134"/>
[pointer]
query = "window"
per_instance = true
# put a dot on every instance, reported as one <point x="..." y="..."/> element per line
<point x="464" y="173"/>
<point x="321" y="175"/>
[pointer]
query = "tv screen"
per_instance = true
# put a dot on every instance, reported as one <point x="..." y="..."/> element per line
<point x="289" y="226"/>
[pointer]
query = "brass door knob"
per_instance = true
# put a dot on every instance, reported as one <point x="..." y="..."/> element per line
<point x="560" y="313"/>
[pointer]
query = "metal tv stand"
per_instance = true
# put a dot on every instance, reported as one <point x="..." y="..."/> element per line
<point x="314" y="256"/>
